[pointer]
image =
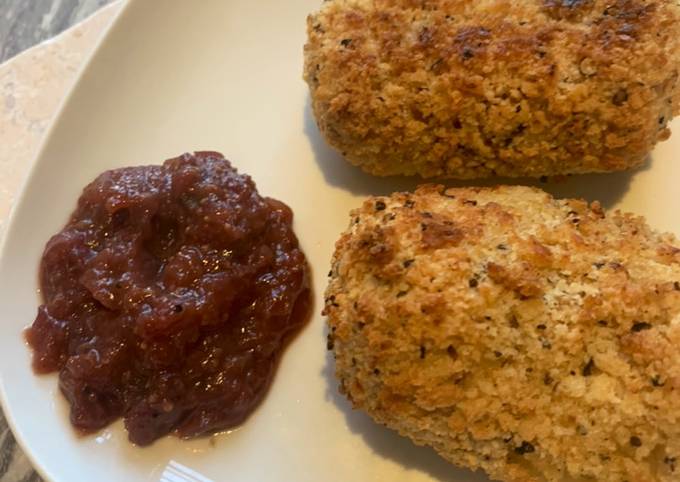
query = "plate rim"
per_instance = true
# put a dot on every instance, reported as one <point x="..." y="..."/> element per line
<point x="123" y="11"/>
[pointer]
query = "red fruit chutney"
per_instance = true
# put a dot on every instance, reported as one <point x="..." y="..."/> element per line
<point x="168" y="298"/>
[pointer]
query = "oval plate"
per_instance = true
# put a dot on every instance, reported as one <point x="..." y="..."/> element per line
<point x="178" y="76"/>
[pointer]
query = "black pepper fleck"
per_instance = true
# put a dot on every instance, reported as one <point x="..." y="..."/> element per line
<point x="346" y="42"/>
<point x="620" y="97"/>
<point x="408" y="263"/>
<point x="436" y="64"/>
<point x="656" y="381"/>
<point x="473" y="283"/>
<point x="640" y="326"/>
<point x="380" y="206"/>
<point x="588" y="368"/>
<point x="670" y="461"/>
<point x="541" y="327"/>
<point x="452" y="352"/>
<point x="525" y="448"/>
<point x="635" y="441"/>
<point x="422" y="352"/>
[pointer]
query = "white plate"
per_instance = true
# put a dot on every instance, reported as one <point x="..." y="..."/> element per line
<point x="177" y="76"/>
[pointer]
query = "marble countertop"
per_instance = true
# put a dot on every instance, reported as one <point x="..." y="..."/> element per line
<point x="24" y="24"/>
<point x="32" y="86"/>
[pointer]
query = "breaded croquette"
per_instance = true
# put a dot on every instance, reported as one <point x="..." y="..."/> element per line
<point x="533" y="338"/>
<point x="469" y="89"/>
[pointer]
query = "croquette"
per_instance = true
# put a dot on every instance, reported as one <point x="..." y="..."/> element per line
<point x="533" y="338"/>
<point x="471" y="89"/>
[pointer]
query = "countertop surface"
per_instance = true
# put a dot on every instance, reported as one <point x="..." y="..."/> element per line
<point x="33" y="83"/>
<point x="26" y="23"/>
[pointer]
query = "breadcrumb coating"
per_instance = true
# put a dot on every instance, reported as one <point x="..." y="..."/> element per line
<point x="469" y="89"/>
<point x="533" y="338"/>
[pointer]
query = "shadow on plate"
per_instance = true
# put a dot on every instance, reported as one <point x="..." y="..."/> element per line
<point x="607" y="188"/>
<point x="390" y="445"/>
<point x="339" y="173"/>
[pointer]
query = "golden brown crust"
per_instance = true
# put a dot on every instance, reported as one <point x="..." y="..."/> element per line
<point x="533" y="338"/>
<point x="466" y="89"/>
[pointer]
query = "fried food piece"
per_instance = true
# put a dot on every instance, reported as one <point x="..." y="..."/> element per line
<point x="533" y="338"/>
<point x="463" y="89"/>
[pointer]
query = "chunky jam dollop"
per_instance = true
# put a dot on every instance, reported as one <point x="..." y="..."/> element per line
<point x="168" y="298"/>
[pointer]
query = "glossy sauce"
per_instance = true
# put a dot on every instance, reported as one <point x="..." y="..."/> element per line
<point x="168" y="297"/>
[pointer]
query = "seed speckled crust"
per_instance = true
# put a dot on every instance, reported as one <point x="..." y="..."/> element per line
<point x="463" y="89"/>
<point x="533" y="338"/>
